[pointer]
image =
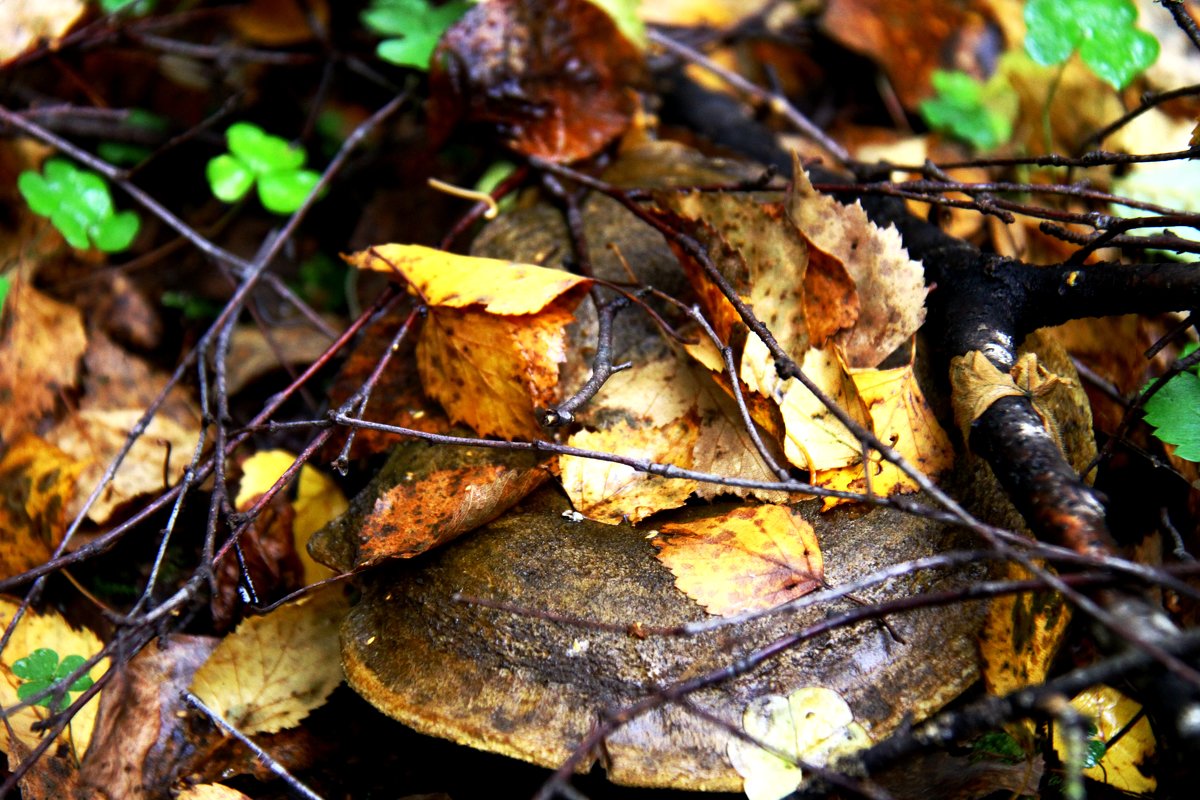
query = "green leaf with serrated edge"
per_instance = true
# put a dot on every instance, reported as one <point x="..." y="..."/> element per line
<point x="284" y="191"/>
<point x="997" y="745"/>
<point x="115" y="233"/>
<point x="228" y="178"/>
<point x="1174" y="412"/>
<point x="261" y="152"/>
<point x="38" y="665"/>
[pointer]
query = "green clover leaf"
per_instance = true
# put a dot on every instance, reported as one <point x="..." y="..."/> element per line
<point x="418" y="26"/>
<point x="79" y="204"/>
<point x="978" y="113"/>
<point x="41" y="671"/>
<point x="257" y="157"/>
<point x="1103" y="31"/>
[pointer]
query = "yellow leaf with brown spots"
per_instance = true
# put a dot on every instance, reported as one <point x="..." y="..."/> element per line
<point x="1128" y="763"/>
<point x="41" y="342"/>
<point x="749" y="559"/>
<point x="902" y="418"/>
<point x="496" y="333"/>
<point x="37" y="481"/>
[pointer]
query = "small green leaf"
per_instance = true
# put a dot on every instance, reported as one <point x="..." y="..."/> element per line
<point x="417" y="24"/>
<point x="282" y="192"/>
<point x="38" y="665"/>
<point x="261" y="152"/>
<point x="77" y="201"/>
<point x="1103" y="31"/>
<point x="73" y="229"/>
<point x="5" y="285"/>
<point x="980" y="114"/>
<point x="69" y="665"/>
<point x="1094" y="753"/>
<point x="228" y="178"/>
<point x="1174" y="411"/>
<point x="997" y="745"/>
<point x="117" y="232"/>
<point x="1118" y="56"/>
<point x="37" y="193"/>
<point x="1051" y="31"/>
<point x="34" y="688"/>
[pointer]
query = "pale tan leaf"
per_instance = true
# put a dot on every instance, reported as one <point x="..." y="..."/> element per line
<point x="273" y="670"/>
<point x="24" y="23"/>
<point x="815" y="439"/>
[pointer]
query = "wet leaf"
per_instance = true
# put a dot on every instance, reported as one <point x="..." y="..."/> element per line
<point x="811" y="724"/>
<point x="814" y="438"/>
<point x="496" y="333"/>
<point x="1120" y="762"/>
<point x="273" y="670"/>
<point x="37" y="481"/>
<point x="40" y="345"/>
<point x="553" y="77"/>
<point x="748" y="559"/>
<point x="1174" y="411"/>
<point x="49" y="632"/>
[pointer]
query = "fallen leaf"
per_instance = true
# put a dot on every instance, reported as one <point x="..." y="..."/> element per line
<point x="815" y="439"/>
<point x="891" y="286"/>
<point x="1020" y="639"/>
<point x="278" y="23"/>
<point x="553" y="77"/>
<point x="211" y="791"/>
<point x="33" y="632"/>
<point x="269" y="567"/>
<point x="138" y="747"/>
<point x="115" y="378"/>
<point x="749" y="559"/>
<point x="710" y="13"/>
<point x="423" y="497"/>
<point x="254" y="352"/>
<point x="40" y="345"/>
<point x="156" y="459"/>
<point x="275" y="669"/>
<point x="812" y="724"/>
<point x="26" y="23"/>
<point x="1121" y="764"/>
<point x="496" y="333"/>
<point x="53" y="775"/>
<point x="900" y="417"/>
<point x="37" y="481"/>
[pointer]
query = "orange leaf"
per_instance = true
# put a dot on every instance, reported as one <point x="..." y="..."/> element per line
<point x="37" y="481"/>
<point x="749" y="559"/>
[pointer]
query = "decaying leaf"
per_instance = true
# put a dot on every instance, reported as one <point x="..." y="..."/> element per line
<point x="815" y="439"/>
<point x="40" y="345"/>
<point x="1121" y="765"/>
<point x="33" y="632"/>
<point x="156" y="460"/>
<point x="37" y="481"/>
<point x="269" y="565"/>
<point x="891" y="286"/>
<point x="422" y="498"/>
<point x="24" y="23"/>
<point x="554" y="77"/>
<point x="902" y="418"/>
<point x="812" y="724"/>
<point x="211" y="791"/>
<point x="669" y="411"/>
<point x="490" y="350"/>
<point x="273" y="670"/>
<point x="748" y="559"/>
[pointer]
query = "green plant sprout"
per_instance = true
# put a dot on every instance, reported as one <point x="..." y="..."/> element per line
<point x="128" y="153"/>
<point x="5" y="285"/>
<point x="79" y="204"/>
<point x="1102" y="31"/>
<point x="257" y="157"/>
<point x="137" y="7"/>
<point x="1174" y="410"/>
<point x="980" y="114"/>
<point x="997" y="746"/>
<point x="41" y="670"/>
<point x="417" y="26"/>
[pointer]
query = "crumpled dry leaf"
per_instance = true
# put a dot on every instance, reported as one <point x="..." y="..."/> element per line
<point x="669" y="411"/>
<point x="51" y="631"/>
<point x="40" y="345"/>
<point x="24" y="23"/>
<point x="37" y="481"/>
<point x="496" y="333"/>
<point x="1112" y="711"/>
<point x="891" y="286"/>
<point x="812" y="724"/>
<point x="273" y="670"/>
<point x="552" y="76"/>
<point x="749" y="559"/>
<point x="901" y="417"/>
<point x="96" y="436"/>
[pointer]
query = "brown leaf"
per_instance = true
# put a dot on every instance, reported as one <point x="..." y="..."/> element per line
<point x="269" y="563"/>
<point x="115" y="378"/>
<point x="37" y="481"/>
<point x="139" y="746"/>
<point x="551" y="76"/>
<point x="40" y="345"/>
<point x="254" y="352"/>
<point x="748" y="559"/>
<point x="278" y="23"/>
<point x="423" y="497"/>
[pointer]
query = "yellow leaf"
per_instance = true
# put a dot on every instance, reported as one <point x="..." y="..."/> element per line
<point x="318" y="500"/>
<point x="273" y="670"/>
<point x="977" y="383"/>
<point x="455" y="281"/>
<point x="37" y="481"/>
<point x="901" y="417"/>
<point x="210" y="791"/>
<point x="815" y="439"/>
<point x="749" y="559"/>
<point x="812" y="724"/>
<point x="51" y="631"/>
<point x="1111" y="711"/>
